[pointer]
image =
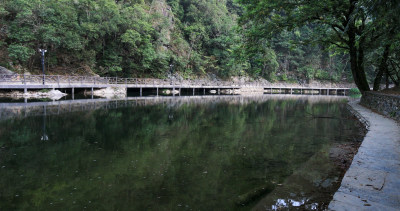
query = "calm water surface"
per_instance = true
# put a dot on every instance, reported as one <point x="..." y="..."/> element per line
<point x="205" y="155"/>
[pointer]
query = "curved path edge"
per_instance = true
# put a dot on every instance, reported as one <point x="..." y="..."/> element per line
<point x="373" y="180"/>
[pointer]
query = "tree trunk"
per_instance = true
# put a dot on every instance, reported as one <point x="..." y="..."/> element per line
<point x="387" y="79"/>
<point x="357" y="60"/>
<point x="324" y="58"/>
<point x="383" y="68"/>
<point x="378" y="78"/>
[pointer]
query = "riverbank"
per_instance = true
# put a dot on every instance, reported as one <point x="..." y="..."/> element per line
<point x="373" y="180"/>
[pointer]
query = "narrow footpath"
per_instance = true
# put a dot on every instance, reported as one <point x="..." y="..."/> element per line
<point x="373" y="180"/>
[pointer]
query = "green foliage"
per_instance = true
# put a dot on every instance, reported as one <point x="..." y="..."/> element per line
<point x="142" y="38"/>
<point x="284" y="77"/>
<point x="308" y="72"/>
<point x="336" y="77"/>
<point x="109" y="36"/>
<point x="44" y="90"/>
<point x="20" y="53"/>
<point x="354" y="91"/>
<point x="322" y="75"/>
<point x="340" y="26"/>
<point x="135" y="38"/>
<point x="292" y="50"/>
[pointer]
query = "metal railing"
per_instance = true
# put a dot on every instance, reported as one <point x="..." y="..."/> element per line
<point x="91" y="80"/>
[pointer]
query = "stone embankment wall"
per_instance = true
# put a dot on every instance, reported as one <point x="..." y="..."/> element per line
<point x="387" y="105"/>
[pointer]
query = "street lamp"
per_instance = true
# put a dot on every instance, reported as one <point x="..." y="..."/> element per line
<point x="42" y="52"/>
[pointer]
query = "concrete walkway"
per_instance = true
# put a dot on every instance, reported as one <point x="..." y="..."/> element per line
<point x="373" y="179"/>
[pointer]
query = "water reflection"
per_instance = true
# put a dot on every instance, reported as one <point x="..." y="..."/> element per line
<point x="167" y="154"/>
<point x="44" y="137"/>
<point x="290" y="204"/>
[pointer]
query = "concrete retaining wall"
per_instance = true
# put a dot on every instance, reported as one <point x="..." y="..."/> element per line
<point x="387" y="105"/>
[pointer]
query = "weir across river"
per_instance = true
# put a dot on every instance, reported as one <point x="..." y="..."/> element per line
<point x="70" y="83"/>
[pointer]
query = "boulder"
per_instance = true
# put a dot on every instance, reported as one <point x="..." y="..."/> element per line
<point x="55" y="94"/>
<point x="5" y="71"/>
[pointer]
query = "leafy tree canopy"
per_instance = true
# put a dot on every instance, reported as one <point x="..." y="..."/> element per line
<point x="348" y="26"/>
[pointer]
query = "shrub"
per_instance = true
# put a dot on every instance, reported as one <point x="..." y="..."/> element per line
<point x="336" y="76"/>
<point x="272" y="77"/>
<point x="322" y="75"/>
<point x="284" y="77"/>
<point x="44" y="90"/>
<point x="354" y="91"/>
<point x="308" y="71"/>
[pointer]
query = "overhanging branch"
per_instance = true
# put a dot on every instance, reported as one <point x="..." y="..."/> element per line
<point x="339" y="46"/>
<point x="339" y="35"/>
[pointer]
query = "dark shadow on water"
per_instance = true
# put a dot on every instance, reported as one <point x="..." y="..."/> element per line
<point x="166" y="153"/>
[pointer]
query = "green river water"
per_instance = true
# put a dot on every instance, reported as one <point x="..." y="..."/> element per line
<point x="205" y="154"/>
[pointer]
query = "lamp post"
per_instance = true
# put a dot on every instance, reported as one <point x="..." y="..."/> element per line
<point x="42" y="52"/>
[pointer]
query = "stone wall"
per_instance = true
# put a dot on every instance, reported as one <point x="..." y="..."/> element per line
<point x="387" y="105"/>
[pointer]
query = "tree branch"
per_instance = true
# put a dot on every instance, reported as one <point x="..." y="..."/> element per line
<point x="338" y="34"/>
<point x="337" y="45"/>
<point x="360" y="29"/>
<point x="337" y="26"/>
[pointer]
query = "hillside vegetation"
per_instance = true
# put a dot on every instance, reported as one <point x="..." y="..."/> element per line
<point x="195" y="38"/>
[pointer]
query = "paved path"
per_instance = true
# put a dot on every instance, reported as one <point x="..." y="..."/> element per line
<point x="373" y="179"/>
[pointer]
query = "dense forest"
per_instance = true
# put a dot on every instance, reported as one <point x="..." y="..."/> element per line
<point x="275" y="39"/>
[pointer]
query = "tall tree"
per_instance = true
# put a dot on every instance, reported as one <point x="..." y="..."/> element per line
<point x="343" y="24"/>
<point x="385" y="42"/>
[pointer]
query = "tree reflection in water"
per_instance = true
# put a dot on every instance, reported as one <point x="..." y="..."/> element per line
<point x="170" y="155"/>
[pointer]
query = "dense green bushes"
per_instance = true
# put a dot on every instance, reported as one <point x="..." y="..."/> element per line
<point x="152" y="38"/>
<point x="129" y="38"/>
